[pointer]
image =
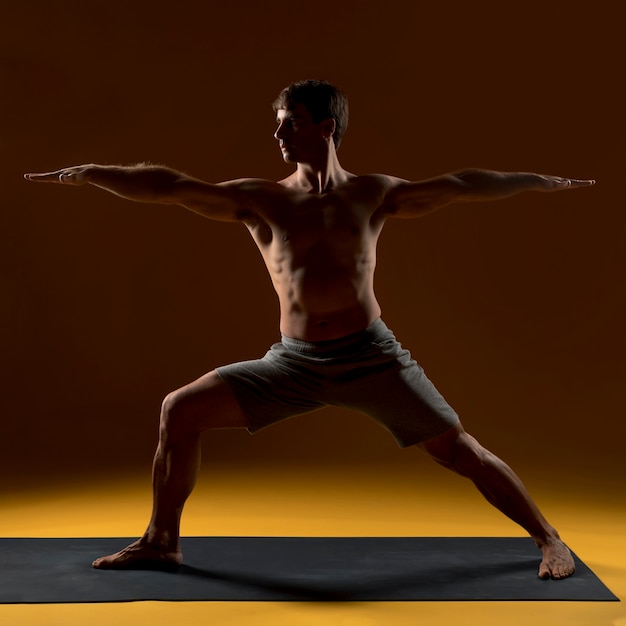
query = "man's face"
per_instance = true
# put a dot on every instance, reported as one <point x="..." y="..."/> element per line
<point x="299" y="138"/>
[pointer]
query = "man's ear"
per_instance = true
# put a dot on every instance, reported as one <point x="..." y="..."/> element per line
<point x="328" y="127"/>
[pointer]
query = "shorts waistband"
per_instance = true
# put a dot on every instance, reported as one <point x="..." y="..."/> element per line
<point x="375" y="330"/>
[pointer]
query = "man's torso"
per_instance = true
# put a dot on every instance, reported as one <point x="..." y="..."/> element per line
<point x="320" y="251"/>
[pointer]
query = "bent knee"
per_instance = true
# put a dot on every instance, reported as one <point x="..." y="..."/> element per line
<point x="171" y="405"/>
<point x="204" y="404"/>
<point x="173" y="414"/>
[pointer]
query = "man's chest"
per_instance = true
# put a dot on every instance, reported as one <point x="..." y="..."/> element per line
<point x="306" y="221"/>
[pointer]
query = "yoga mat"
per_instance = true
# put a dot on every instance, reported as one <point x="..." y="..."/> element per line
<point x="293" y="569"/>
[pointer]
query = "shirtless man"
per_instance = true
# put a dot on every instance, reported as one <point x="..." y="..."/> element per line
<point x="317" y="231"/>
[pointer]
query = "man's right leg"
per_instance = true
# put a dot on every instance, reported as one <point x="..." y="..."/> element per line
<point x="207" y="403"/>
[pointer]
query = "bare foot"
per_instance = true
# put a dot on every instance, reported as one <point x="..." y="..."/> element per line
<point x="141" y="555"/>
<point x="557" y="561"/>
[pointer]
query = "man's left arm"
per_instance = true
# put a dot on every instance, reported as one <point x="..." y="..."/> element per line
<point x="414" y="199"/>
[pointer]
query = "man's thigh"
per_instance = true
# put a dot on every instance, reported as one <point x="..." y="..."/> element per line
<point x="205" y="403"/>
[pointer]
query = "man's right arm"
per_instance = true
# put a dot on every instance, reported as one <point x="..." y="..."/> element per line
<point x="153" y="183"/>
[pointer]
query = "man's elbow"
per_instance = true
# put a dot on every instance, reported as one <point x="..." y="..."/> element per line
<point x="462" y="185"/>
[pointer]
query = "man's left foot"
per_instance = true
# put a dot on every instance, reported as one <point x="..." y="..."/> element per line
<point x="557" y="561"/>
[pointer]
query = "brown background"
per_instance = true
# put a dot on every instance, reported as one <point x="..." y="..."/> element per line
<point x="514" y="308"/>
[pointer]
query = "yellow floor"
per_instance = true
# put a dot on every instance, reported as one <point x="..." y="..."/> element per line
<point x="301" y="501"/>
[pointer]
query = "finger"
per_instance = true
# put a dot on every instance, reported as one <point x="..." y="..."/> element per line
<point x="68" y="175"/>
<point x="581" y="183"/>
<point x="556" y="183"/>
<point x="60" y="176"/>
<point x="45" y="177"/>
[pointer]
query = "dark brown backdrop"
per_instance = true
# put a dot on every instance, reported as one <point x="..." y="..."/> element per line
<point x="515" y="309"/>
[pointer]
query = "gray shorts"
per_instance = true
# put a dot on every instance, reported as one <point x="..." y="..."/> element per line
<point x="367" y="371"/>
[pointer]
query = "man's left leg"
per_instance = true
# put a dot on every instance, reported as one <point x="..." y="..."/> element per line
<point x="460" y="452"/>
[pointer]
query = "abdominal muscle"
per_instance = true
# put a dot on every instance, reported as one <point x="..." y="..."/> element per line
<point x="319" y="308"/>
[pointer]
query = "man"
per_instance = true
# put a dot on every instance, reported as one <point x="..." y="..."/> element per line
<point x="317" y="232"/>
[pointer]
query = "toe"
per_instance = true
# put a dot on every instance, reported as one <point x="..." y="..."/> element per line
<point x="562" y="572"/>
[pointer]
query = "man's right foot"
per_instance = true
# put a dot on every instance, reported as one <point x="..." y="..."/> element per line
<point x="141" y="555"/>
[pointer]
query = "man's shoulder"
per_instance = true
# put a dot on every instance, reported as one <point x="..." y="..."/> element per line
<point x="252" y="184"/>
<point x="383" y="182"/>
<point x="387" y="179"/>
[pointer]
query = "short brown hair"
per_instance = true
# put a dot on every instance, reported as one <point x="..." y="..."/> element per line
<point x="322" y="101"/>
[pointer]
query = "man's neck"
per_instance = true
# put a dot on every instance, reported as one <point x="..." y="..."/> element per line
<point x="322" y="176"/>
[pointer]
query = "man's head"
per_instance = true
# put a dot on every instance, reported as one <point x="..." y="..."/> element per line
<point x="321" y="99"/>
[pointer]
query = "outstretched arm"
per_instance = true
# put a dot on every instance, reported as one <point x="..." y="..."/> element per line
<point x="413" y="199"/>
<point x="152" y="183"/>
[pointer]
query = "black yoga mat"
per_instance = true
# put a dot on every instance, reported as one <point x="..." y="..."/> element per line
<point x="293" y="568"/>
